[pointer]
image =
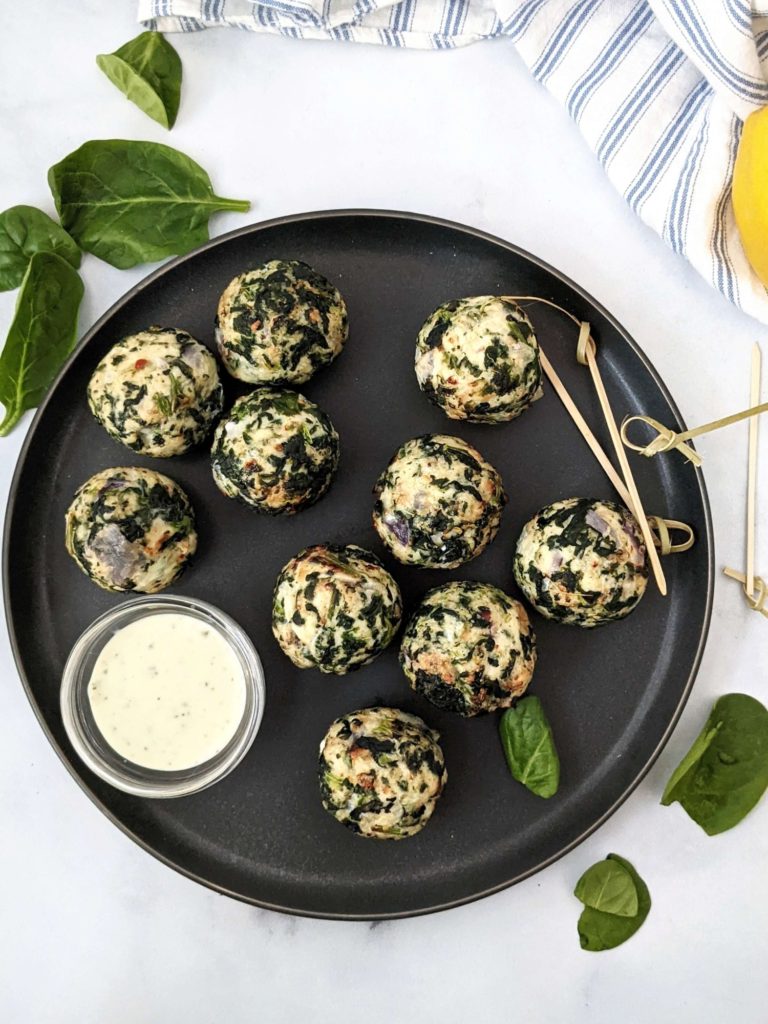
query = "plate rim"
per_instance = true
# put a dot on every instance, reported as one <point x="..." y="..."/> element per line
<point x="160" y="271"/>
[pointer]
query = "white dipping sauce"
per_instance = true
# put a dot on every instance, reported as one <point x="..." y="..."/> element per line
<point x="167" y="691"/>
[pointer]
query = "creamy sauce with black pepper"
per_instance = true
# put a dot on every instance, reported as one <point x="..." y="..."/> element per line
<point x="167" y="692"/>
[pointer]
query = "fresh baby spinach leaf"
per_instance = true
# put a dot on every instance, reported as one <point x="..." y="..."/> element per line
<point x="42" y="334"/>
<point x="528" y="745"/>
<point x="25" y="230"/>
<point x="148" y="71"/>
<point x="134" y="202"/>
<point x="693" y="756"/>
<point x="600" y="930"/>
<point x="609" y="887"/>
<point x="725" y="772"/>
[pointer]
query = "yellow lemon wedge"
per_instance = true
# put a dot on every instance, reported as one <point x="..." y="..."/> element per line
<point x="750" y="191"/>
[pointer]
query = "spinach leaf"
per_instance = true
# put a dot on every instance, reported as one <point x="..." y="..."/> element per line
<point x="133" y="202"/>
<point x="725" y="772"/>
<point x="42" y="334"/>
<point x="25" y="230"/>
<point x="693" y="756"/>
<point x="599" y="930"/>
<point x="609" y="887"/>
<point x="527" y="740"/>
<point x="148" y="71"/>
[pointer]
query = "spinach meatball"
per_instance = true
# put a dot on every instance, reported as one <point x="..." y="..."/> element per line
<point x="469" y="648"/>
<point x="381" y="772"/>
<point x="276" y="451"/>
<point x="157" y="392"/>
<point x="131" y="529"/>
<point x="478" y="359"/>
<point x="582" y="561"/>
<point x="438" y="502"/>
<point x="279" y="323"/>
<point x="335" y="608"/>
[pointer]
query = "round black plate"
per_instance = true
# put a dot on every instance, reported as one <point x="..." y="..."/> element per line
<point x="613" y="695"/>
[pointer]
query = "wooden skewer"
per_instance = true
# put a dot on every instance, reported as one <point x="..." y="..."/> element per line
<point x="754" y="399"/>
<point x="626" y="488"/>
<point x="757" y="600"/>
<point x="587" y="345"/>
<point x="663" y="526"/>
<point x="585" y="429"/>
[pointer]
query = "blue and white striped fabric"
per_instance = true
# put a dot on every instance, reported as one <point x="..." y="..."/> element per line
<point x="659" y="88"/>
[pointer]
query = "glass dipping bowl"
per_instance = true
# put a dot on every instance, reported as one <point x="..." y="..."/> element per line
<point x="88" y="741"/>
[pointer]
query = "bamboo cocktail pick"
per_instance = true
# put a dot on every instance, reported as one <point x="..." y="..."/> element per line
<point x="754" y="399"/>
<point x="755" y="589"/>
<point x="586" y="354"/>
<point x="661" y="526"/>
<point x="667" y="439"/>
<point x="626" y="487"/>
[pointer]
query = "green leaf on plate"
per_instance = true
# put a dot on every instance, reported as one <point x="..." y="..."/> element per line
<point x="135" y="202"/>
<point x="529" y="747"/>
<point x="148" y="71"/>
<point x="25" y="230"/>
<point x="41" y="336"/>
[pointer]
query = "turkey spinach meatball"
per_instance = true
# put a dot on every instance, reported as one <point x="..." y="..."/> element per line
<point x="157" y="392"/>
<point x="279" y="323"/>
<point x="335" y="608"/>
<point x="469" y="648"/>
<point x="381" y="772"/>
<point x="478" y="359"/>
<point x="276" y="451"/>
<point x="438" y="502"/>
<point x="582" y="562"/>
<point x="131" y="529"/>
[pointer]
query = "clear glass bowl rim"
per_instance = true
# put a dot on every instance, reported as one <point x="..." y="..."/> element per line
<point x="149" y="782"/>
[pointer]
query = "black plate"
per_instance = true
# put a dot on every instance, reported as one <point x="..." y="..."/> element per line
<point x="613" y="695"/>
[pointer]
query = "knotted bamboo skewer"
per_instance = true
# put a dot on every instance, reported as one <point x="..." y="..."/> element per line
<point x="625" y="485"/>
<point x="586" y="354"/>
<point x="758" y="600"/>
<point x="667" y="439"/>
<point x="661" y="527"/>
<point x="755" y="589"/>
<point x="754" y="423"/>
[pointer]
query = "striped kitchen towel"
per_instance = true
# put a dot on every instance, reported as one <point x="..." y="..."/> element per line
<point x="659" y="88"/>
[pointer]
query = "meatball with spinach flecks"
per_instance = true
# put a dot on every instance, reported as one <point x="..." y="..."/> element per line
<point x="469" y="648"/>
<point x="381" y="772"/>
<point x="582" y="562"/>
<point x="478" y="359"/>
<point x="131" y="529"/>
<point x="438" y="502"/>
<point x="157" y="392"/>
<point x="275" y="451"/>
<point x="279" y="323"/>
<point x="335" y="608"/>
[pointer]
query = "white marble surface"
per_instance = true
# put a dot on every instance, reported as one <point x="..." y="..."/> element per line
<point x="91" y="928"/>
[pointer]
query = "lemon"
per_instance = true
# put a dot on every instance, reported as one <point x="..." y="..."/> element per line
<point x="750" y="191"/>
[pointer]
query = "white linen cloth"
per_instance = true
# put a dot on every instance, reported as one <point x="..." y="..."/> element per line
<point x="659" y="88"/>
